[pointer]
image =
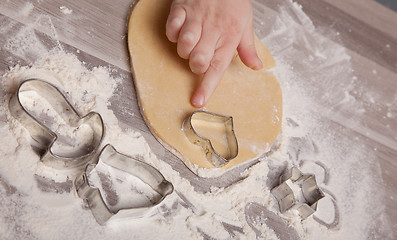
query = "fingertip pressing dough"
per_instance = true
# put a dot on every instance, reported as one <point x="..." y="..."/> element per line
<point x="165" y="84"/>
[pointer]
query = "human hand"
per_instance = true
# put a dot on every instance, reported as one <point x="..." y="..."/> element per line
<point x="208" y="32"/>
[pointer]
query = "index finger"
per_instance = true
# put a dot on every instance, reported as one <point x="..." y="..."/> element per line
<point x="211" y="78"/>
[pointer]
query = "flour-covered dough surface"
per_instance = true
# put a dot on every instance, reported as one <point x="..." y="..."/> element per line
<point x="164" y="86"/>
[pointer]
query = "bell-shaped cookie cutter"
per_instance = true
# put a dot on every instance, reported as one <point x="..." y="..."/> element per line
<point x="310" y="190"/>
<point x="148" y="174"/>
<point x="212" y="156"/>
<point x="43" y="136"/>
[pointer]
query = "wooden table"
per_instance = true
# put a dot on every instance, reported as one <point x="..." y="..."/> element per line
<point x="99" y="38"/>
<point x="372" y="45"/>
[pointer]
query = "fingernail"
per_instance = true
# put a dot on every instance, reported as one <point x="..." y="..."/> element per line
<point x="258" y="65"/>
<point x="198" y="101"/>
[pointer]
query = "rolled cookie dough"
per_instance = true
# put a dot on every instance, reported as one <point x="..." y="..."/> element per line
<point x="164" y="86"/>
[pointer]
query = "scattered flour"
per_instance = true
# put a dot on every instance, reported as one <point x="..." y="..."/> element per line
<point x="185" y="211"/>
<point x="65" y="10"/>
<point x="307" y="63"/>
<point x="26" y="9"/>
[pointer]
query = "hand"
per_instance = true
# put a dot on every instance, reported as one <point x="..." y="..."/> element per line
<point x="208" y="32"/>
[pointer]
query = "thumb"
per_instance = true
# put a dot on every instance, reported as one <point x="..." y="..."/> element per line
<point x="247" y="51"/>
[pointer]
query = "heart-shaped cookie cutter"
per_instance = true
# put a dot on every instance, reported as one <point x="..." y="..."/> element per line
<point x="148" y="174"/>
<point x="43" y="137"/>
<point x="285" y="195"/>
<point x="212" y="156"/>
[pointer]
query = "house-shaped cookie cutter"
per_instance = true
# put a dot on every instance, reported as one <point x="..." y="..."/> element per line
<point x="211" y="154"/>
<point x="43" y="137"/>
<point x="307" y="185"/>
<point x="148" y="174"/>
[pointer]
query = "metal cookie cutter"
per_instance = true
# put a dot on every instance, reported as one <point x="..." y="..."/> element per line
<point x="295" y="183"/>
<point x="43" y="136"/>
<point x="143" y="171"/>
<point x="212" y="156"/>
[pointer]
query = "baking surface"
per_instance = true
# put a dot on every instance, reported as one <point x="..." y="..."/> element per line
<point x="365" y="28"/>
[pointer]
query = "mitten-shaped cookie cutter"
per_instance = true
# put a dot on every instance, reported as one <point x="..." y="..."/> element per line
<point x="43" y="136"/>
<point x="308" y="187"/>
<point x="148" y="174"/>
<point x="211" y="154"/>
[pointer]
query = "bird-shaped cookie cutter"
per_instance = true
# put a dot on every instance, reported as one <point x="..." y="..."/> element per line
<point x="306" y="183"/>
<point x="210" y="153"/>
<point x="145" y="172"/>
<point x="43" y="137"/>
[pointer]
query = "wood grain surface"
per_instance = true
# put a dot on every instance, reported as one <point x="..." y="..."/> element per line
<point x="367" y="30"/>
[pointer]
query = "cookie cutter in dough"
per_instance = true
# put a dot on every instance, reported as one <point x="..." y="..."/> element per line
<point x="148" y="174"/>
<point x="307" y="186"/>
<point x="212" y="156"/>
<point x="45" y="138"/>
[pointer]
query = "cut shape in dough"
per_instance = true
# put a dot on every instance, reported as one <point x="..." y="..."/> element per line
<point x="165" y="84"/>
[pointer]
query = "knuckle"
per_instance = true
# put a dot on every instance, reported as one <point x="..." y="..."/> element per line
<point x="199" y="60"/>
<point x="176" y="18"/>
<point x="183" y="51"/>
<point x="173" y="24"/>
<point x="233" y="28"/>
<point x="229" y="26"/>
<point x="187" y="38"/>
<point x="198" y="68"/>
<point x="217" y="64"/>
